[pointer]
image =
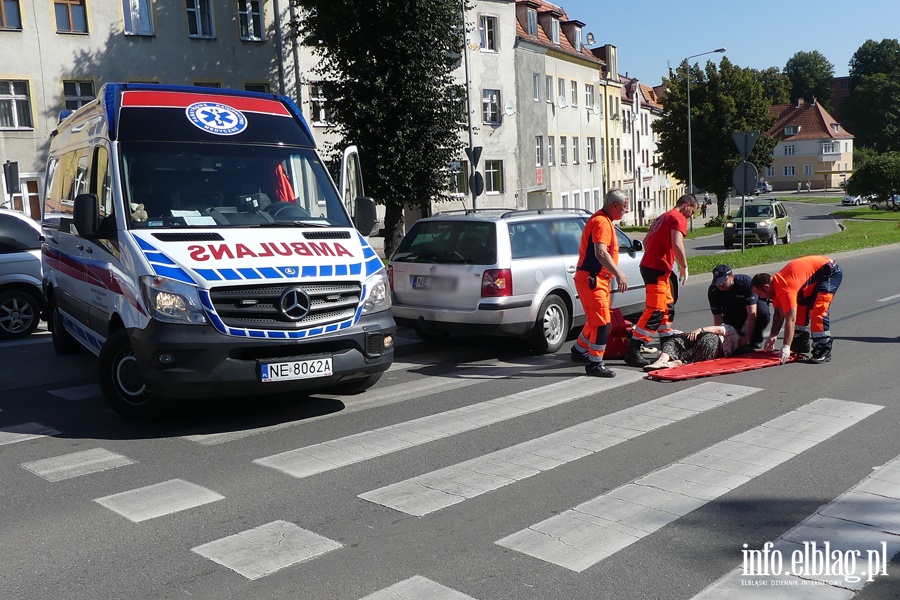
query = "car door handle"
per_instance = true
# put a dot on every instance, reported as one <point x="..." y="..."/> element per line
<point x="89" y="250"/>
<point x="571" y="270"/>
<point x="79" y="247"/>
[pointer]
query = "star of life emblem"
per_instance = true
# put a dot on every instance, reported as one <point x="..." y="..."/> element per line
<point x="216" y="118"/>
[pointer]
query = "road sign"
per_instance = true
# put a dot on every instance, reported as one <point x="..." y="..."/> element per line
<point x="474" y="155"/>
<point x="11" y="173"/>
<point x="745" y="140"/>
<point x="476" y="183"/>
<point x="744" y="178"/>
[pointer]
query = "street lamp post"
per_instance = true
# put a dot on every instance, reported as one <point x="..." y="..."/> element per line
<point x="690" y="150"/>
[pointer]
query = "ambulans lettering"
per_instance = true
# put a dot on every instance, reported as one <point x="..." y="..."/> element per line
<point x="223" y="251"/>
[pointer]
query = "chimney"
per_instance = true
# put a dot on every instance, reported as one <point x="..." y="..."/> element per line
<point x="814" y="101"/>
<point x="799" y="102"/>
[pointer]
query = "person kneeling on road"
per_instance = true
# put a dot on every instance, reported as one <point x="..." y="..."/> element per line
<point x="733" y="302"/>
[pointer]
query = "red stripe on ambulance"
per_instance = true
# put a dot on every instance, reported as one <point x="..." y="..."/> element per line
<point x="150" y="99"/>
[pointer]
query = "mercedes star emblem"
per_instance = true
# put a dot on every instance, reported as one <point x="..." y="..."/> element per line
<point x="294" y="303"/>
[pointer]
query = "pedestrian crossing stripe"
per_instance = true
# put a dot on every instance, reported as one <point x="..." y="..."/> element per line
<point x="417" y="588"/>
<point x="76" y="464"/>
<point x="451" y="485"/>
<point x="158" y="500"/>
<point x="591" y="532"/>
<point x="24" y="432"/>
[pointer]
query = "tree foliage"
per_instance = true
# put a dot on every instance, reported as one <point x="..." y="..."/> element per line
<point x="880" y="176"/>
<point x="386" y="70"/>
<point x="776" y="85"/>
<point x="724" y="100"/>
<point x="812" y="76"/>
<point x="873" y="106"/>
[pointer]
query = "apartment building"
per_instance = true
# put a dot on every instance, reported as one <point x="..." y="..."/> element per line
<point x="812" y="146"/>
<point x="59" y="53"/>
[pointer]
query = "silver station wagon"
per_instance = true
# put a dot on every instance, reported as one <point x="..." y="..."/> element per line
<point x="500" y="272"/>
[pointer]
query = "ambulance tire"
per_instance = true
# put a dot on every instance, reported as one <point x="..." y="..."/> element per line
<point x="63" y="342"/>
<point x="551" y="328"/>
<point x="121" y="382"/>
<point x="356" y="386"/>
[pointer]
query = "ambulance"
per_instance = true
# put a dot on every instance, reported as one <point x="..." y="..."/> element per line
<point x="195" y="242"/>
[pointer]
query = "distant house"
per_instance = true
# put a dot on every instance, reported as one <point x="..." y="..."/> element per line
<point x="812" y="146"/>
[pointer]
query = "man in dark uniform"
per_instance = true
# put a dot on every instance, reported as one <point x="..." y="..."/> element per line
<point x="733" y="302"/>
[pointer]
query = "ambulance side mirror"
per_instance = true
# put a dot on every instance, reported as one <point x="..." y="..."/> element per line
<point x="364" y="215"/>
<point x="87" y="215"/>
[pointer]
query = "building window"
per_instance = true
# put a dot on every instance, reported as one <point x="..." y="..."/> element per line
<point x="554" y="29"/>
<point x="792" y="130"/>
<point x="575" y="159"/>
<point x="551" y="150"/>
<point x="71" y="16"/>
<point x="532" y="22"/>
<point x="574" y="93"/>
<point x="10" y="17"/>
<point x="490" y="106"/>
<point x="15" y="105"/>
<point x="548" y="80"/>
<point x="318" y="104"/>
<point x="589" y="95"/>
<point x="591" y="150"/>
<point x="138" y="19"/>
<point x="262" y="88"/>
<point x="578" y="39"/>
<point x="200" y="20"/>
<point x="831" y="148"/>
<point x="207" y="84"/>
<point x="250" y="13"/>
<point x="563" y="150"/>
<point x="493" y="176"/>
<point x="576" y="199"/>
<point x="77" y="93"/>
<point x="536" y="84"/>
<point x="459" y="181"/>
<point x="538" y="150"/>
<point x="561" y="88"/>
<point x="789" y="171"/>
<point x="770" y="172"/>
<point x="487" y="27"/>
<point x="807" y="170"/>
<point x="789" y="150"/>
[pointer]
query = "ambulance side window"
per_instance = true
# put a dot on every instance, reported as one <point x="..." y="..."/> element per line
<point x="100" y="181"/>
<point x="58" y="207"/>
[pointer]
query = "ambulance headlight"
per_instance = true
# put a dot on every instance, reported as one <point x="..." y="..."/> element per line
<point x="172" y="301"/>
<point x="377" y="295"/>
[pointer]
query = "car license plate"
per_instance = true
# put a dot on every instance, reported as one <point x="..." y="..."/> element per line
<point x="421" y="282"/>
<point x="298" y="369"/>
<point x="437" y="284"/>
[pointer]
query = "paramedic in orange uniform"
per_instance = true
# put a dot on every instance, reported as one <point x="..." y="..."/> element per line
<point x="663" y="246"/>
<point x="801" y="293"/>
<point x="598" y="263"/>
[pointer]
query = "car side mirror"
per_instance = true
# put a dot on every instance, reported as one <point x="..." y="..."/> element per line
<point x="637" y="245"/>
<point x="87" y="215"/>
<point x="364" y="218"/>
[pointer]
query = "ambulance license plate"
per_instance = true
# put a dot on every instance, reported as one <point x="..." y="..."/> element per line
<point x="298" y="369"/>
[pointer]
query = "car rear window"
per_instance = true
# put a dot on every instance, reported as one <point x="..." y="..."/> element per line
<point x="459" y="242"/>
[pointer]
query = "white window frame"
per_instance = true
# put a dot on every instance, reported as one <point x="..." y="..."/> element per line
<point x="538" y="150"/>
<point x="770" y="172"/>
<point x="831" y="147"/>
<point x="532" y="22"/>
<point x="591" y="150"/>
<point x="789" y="170"/>
<point x="250" y="15"/>
<point x="576" y="199"/>
<point x="493" y="176"/>
<point x="792" y="130"/>
<point x="487" y="30"/>
<point x="536" y="84"/>
<point x="807" y="170"/>
<point x="138" y="17"/>
<point x="551" y="150"/>
<point x="490" y="107"/>
<point x="548" y="84"/>
<point x="19" y="104"/>
<point x="574" y="88"/>
<point x="578" y="43"/>
<point x="554" y="31"/>
<point x="460" y="178"/>
<point x="196" y="11"/>
<point x="80" y="97"/>
<point x="561" y="87"/>
<point x="564" y="198"/>
<point x="589" y="95"/>
<point x="789" y="150"/>
<point x="318" y="105"/>
<point x="563" y="150"/>
<point x="575" y="152"/>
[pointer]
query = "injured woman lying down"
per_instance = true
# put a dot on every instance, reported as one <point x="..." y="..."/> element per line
<point x="703" y="343"/>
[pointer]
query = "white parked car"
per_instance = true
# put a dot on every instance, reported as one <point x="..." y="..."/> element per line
<point x="853" y="200"/>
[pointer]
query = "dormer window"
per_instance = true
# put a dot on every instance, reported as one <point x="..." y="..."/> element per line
<point x="836" y="127"/>
<point x="792" y="130"/>
<point x="578" y="39"/>
<point x="532" y="22"/>
<point x="555" y="31"/>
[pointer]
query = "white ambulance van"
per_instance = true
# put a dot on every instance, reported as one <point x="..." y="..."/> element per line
<point x="195" y="242"/>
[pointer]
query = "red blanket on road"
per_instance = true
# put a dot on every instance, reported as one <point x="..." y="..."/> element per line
<point x="721" y="366"/>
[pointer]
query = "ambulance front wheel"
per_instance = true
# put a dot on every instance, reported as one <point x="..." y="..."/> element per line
<point x="121" y="381"/>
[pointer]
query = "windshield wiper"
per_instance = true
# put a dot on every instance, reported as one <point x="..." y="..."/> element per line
<point x="295" y="224"/>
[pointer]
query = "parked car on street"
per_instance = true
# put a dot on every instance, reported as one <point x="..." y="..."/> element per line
<point x="500" y="272"/>
<point x="766" y="222"/>
<point x="853" y="200"/>
<point x="763" y="187"/>
<point x="21" y="299"/>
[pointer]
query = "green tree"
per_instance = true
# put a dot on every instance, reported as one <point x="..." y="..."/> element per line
<point x="872" y="107"/>
<point x="724" y="100"/>
<point x="880" y="176"/>
<point x="386" y="69"/>
<point x="812" y="76"/>
<point x="776" y="85"/>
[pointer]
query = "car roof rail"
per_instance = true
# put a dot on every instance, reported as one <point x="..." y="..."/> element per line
<point x="541" y="211"/>
<point x="467" y="211"/>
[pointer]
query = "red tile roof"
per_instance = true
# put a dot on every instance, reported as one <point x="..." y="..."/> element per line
<point x="649" y="99"/>
<point x="814" y="121"/>
<point x="544" y="39"/>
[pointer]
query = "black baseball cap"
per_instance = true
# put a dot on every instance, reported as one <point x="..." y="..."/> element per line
<point x="720" y="274"/>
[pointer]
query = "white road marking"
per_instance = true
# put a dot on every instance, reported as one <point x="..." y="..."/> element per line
<point x="76" y="464"/>
<point x="856" y="521"/>
<point x="587" y="534"/>
<point x="23" y="432"/>
<point x="472" y="374"/>
<point x="889" y="298"/>
<point x="158" y="499"/>
<point x="79" y="392"/>
<point x="265" y="549"/>
<point x="417" y="588"/>
<point x="445" y="487"/>
<point x="326" y="456"/>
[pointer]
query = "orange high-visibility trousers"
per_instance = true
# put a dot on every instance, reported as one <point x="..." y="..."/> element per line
<point x="659" y="310"/>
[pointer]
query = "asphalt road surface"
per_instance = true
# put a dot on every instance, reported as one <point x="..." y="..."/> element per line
<point x="472" y="470"/>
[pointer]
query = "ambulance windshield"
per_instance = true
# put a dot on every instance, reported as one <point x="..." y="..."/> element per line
<point x="179" y="184"/>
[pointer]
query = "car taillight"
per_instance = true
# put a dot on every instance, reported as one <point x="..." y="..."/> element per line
<point x="390" y="271"/>
<point x="496" y="283"/>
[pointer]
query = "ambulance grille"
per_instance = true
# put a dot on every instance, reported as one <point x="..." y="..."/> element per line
<point x="258" y="306"/>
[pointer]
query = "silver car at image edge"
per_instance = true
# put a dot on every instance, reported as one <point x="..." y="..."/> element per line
<point x="21" y="299"/>
<point x="500" y="272"/>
